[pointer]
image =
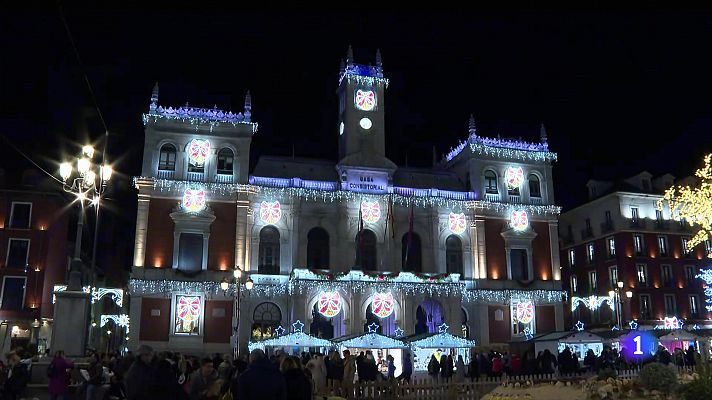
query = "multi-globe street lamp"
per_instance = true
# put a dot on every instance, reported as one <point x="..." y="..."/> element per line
<point x="615" y="294"/>
<point x="225" y="285"/>
<point x="88" y="183"/>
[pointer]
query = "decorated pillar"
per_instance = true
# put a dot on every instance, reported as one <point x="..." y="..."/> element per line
<point x="241" y="233"/>
<point x="435" y="247"/>
<point x="293" y="237"/>
<point x="141" y="227"/>
<point x="479" y="252"/>
<point x="249" y="222"/>
<point x="554" y="246"/>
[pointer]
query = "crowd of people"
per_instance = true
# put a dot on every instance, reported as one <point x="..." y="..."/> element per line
<point x="149" y="375"/>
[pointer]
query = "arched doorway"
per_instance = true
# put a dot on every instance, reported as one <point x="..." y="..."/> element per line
<point x="366" y="256"/>
<point x="266" y="318"/>
<point x="317" y="248"/>
<point x="428" y="317"/>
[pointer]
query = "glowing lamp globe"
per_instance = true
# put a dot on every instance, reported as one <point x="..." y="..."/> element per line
<point x="237" y="273"/>
<point x="90" y="178"/>
<point x="106" y="172"/>
<point x="365" y="123"/>
<point x="83" y="165"/>
<point x="249" y="284"/>
<point x="224" y="285"/>
<point x="65" y="170"/>
<point x="88" y="151"/>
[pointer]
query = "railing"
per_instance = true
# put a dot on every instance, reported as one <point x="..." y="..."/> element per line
<point x="607" y="226"/>
<point x="637" y="223"/>
<point x="515" y="199"/>
<point x="166" y="174"/>
<point x="492" y="196"/>
<point x="662" y="225"/>
<point x="195" y="176"/>
<point x="223" y="178"/>
<point x="536" y="200"/>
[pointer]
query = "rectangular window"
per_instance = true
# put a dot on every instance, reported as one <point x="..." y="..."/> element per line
<point x="642" y="270"/>
<point x="592" y="280"/>
<point x="658" y="215"/>
<point x="634" y="213"/>
<point x="20" y="215"/>
<point x="670" y="305"/>
<point x="18" y="251"/>
<point x="190" y="252"/>
<point x="645" y="306"/>
<point x="687" y="252"/>
<point x="572" y="257"/>
<point x="187" y="314"/>
<point x="611" y="247"/>
<point x="613" y="276"/>
<point x="590" y="252"/>
<point x="638" y="244"/>
<point x="666" y="273"/>
<point x="519" y="263"/>
<point x="690" y="274"/>
<point x="13" y="293"/>
<point x="663" y="245"/>
<point x="708" y="247"/>
<point x="574" y="284"/>
<point x="694" y="306"/>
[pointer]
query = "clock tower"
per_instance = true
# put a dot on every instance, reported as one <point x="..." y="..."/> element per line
<point x="361" y="126"/>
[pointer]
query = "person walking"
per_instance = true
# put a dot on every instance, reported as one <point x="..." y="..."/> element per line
<point x="58" y="376"/>
<point x="407" y="369"/>
<point x="261" y="380"/>
<point x="391" y="367"/>
<point x="434" y="368"/>
<point x="140" y="377"/>
<point x="318" y="373"/>
<point x="349" y="375"/>
<point x="298" y="386"/>
<point x="460" y="369"/>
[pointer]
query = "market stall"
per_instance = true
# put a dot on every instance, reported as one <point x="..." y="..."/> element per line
<point x="379" y="345"/>
<point x="438" y="344"/>
<point x="677" y="339"/>
<point x="293" y="343"/>
<point x="578" y="341"/>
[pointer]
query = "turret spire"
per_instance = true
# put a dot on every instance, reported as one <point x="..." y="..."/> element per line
<point x="154" y="99"/>
<point x="342" y="66"/>
<point x="248" y="106"/>
<point x="349" y="56"/>
<point x="544" y="138"/>
<point x="472" y="128"/>
<point x="379" y="62"/>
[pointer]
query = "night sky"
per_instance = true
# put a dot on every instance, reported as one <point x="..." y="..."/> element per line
<point x="618" y="92"/>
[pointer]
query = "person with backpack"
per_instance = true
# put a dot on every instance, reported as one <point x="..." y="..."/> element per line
<point x="58" y="376"/>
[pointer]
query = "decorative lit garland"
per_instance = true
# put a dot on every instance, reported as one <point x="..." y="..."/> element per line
<point x="457" y="223"/>
<point x="120" y="320"/>
<point x="706" y="276"/>
<point x="443" y="340"/>
<point x="513" y="154"/>
<point x="672" y="323"/>
<point x="432" y="199"/>
<point x="329" y="304"/>
<point x="299" y="338"/>
<point x="514" y="176"/>
<point x="591" y="302"/>
<point x="193" y="200"/>
<point x="116" y="294"/>
<point x="371" y="341"/>
<point x="518" y="220"/>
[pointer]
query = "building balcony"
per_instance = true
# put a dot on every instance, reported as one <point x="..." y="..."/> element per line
<point x="662" y="225"/>
<point x="536" y="200"/>
<point x="637" y="223"/>
<point x="223" y="178"/>
<point x="166" y="174"/>
<point x="607" y="226"/>
<point x="195" y="176"/>
<point x="586" y="233"/>
<point x="492" y="197"/>
<point x="514" y="198"/>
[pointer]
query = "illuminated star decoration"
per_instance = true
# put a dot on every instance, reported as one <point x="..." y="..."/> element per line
<point x="695" y="327"/>
<point x="373" y="328"/>
<point x="398" y="332"/>
<point x="528" y="333"/>
<point x="443" y="328"/>
<point x="633" y="325"/>
<point x="279" y="331"/>
<point x="298" y="326"/>
<point x="579" y="326"/>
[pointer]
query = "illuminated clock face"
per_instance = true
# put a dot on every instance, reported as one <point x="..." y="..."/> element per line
<point x="365" y="100"/>
<point x="341" y="128"/>
<point x="365" y="123"/>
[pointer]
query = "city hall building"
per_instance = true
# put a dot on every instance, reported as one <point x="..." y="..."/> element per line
<point x="338" y="247"/>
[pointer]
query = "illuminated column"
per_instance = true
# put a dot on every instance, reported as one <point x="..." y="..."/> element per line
<point x="554" y="244"/>
<point x="248" y="236"/>
<point x="479" y="252"/>
<point x="241" y="234"/>
<point x="144" y="201"/>
<point x="293" y="237"/>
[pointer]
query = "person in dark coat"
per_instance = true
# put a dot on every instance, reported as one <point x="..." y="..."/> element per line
<point x="547" y="363"/>
<point x="17" y="378"/>
<point x="141" y="375"/>
<point x="96" y="376"/>
<point x="202" y="379"/>
<point x="434" y="368"/>
<point x="59" y="381"/>
<point x="261" y="380"/>
<point x="298" y="386"/>
<point x="407" y="369"/>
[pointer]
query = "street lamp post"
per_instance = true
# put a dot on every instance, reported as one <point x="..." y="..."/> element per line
<point x="90" y="180"/>
<point x="616" y="294"/>
<point x="225" y="285"/>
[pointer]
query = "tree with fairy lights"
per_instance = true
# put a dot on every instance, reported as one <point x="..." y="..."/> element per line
<point x="693" y="204"/>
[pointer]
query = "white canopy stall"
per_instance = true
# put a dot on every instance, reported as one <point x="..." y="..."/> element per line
<point x="293" y="343"/>
<point x="380" y="346"/>
<point x="427" y="344"/>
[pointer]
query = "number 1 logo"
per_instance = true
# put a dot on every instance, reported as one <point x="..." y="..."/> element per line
<point x="638" y="351"/>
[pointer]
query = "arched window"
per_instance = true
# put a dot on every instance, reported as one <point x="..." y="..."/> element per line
<point x="267" y="318"/>
<point x="167" y="158"/>
<point x="321" y="326"/>
<point x="428" y="317"/>
<point x="534" y="186"/>
<point x="491" y="182"/>
<point x="317" y="248"/>
<point x="453" y="255"/>
<point x="366" y="250"/>
<point x="370" y="320"/>
<point x="269" y="251"/>
<point x="411" y="257"/>
<point x="225" y="161"/>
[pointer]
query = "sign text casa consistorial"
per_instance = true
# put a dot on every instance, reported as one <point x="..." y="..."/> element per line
<point x="366" y="181"/>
